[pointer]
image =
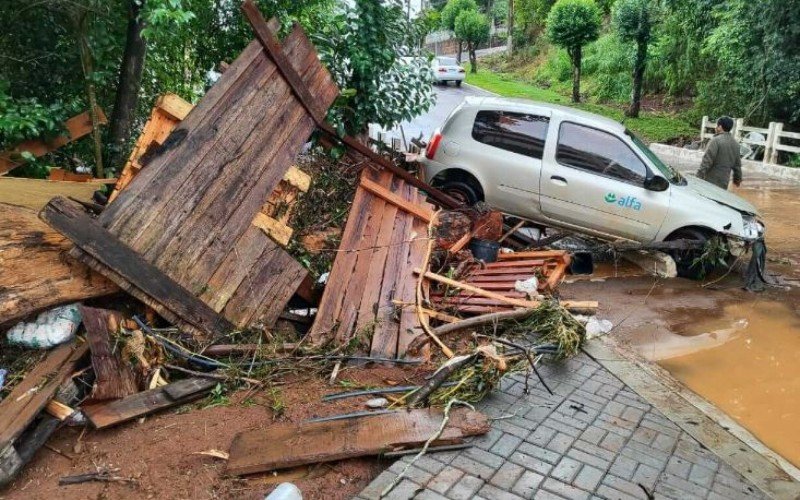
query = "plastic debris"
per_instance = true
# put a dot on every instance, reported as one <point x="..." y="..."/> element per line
<point x="50" y="328"/>
<point x="529" y="286"/>
<point x="285" y="491"/>
<point x="597" y="327"/>
<point x="377" y="403"/>
<point x="3" y="374"/>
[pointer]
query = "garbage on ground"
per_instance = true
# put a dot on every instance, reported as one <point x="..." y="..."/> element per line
<point x="49" y="329"/>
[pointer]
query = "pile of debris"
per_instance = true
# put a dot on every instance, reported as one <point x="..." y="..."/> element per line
<point x="191" y="285"/>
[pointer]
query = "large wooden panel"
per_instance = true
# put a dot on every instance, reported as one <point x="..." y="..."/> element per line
<point x="36" y="272"/>
<point x="289" y="445"/>
<point x="372" y="286"/>
<point x="189" y="214"/>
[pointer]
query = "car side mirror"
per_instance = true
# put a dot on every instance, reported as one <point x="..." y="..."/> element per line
<point x="656" y="183"/>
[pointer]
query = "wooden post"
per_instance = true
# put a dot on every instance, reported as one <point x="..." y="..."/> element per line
<point x="703" y="126"/>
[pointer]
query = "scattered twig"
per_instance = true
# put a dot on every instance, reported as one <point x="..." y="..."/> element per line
<point x="215" y="376"/>
<point x="528" y="355"/>
<point x="427" y="445"/>
<point x="346" y="416"/>
<point x="102" y="475"/>
<point x="443" y="373"/>
<point x="448" y="447"/>
<point x="379" y="390"/>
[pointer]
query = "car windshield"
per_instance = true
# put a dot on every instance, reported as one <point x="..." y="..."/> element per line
<point x="670" y="173"/>
<point x="447" y="61"/>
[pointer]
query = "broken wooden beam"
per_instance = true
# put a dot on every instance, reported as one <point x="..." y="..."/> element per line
<point x="288" y="445"/>
<point x="36" y="272"/>
<point x="114" y="377"/>
<point x="112" y="413"/>
<point x="77" y="127"/>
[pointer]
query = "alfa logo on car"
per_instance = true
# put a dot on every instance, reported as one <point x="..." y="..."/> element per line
<point x="624" y="202"/>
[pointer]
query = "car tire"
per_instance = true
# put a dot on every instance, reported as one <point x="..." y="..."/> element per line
<point x="458" y="83"/>
<point x="685" y="259"/>
<point x="461" y="191"/>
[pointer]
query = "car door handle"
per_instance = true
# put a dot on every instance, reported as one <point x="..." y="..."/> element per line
<point x="558" y="180"/>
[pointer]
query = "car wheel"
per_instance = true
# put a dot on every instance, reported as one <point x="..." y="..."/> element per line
<point x="685" y="260"/>
<point x="461" y="191"/>
<point x="458" y="83"/>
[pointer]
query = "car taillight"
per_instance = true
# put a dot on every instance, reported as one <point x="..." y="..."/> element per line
<point x="442" y="70"/>
<point x="433" y="145"/>
<point x="461" y="70"/>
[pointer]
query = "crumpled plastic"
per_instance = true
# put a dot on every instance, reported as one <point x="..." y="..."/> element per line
<point x="51" y="328"/>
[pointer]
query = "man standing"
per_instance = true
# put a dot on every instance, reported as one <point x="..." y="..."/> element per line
<point x="722" y="156"/>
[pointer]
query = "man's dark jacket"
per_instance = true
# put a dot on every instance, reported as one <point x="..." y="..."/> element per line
<point x="722" y="157"/>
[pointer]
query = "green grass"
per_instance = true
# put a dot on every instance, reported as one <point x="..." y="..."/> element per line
<point x="650" y="126"/>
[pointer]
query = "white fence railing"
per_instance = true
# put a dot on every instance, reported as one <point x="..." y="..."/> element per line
<point x="771" y="139"/>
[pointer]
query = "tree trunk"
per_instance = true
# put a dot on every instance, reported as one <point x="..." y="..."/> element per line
<point x="130" y="79"/>
<point x="80" y="20"/>
<point x="473" y="59"/>
<point x="638" y="77"/>
<point x="510" y="28"/>
<point x="576" y="74"/>
<point x="460" y="49"/>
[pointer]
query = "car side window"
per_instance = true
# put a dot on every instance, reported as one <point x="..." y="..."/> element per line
<point x="599" y="152"/>
<point x="516" y="132"/>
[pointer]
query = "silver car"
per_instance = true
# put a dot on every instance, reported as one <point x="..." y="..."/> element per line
<point x="447" y="69"/>
<point x="570" y="169"/>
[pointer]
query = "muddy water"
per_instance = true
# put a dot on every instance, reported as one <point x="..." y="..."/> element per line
<point x="748" y="363"/>
<point x="741" y="351"/>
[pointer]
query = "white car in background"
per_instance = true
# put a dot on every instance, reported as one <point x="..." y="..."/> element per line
<point x="447" y="69"/>
<point x="566" y="168"/>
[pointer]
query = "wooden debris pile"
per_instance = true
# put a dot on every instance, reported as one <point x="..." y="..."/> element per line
<point x="196" y="232"/>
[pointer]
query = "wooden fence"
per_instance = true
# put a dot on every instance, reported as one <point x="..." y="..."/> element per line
<point x="774" y="137"/>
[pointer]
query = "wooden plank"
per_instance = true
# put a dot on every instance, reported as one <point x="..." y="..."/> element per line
<point x="35" y="193"/>
<point x="418" y="243"/>
<point x="31" y="395"/>
<point x="114" y="377"/>
<point x="77" y="127"/>
<point x="533" y="255"/>
<point x="278" y="231"/>
<point x="95" y="240"/>
<point x="288" y="445"/>
<point x="297" y="178"/>
<point x="174" y="106"/>
<point x="105" y="415"/>
<point x="36" y="273"/>
<point x="411" y="207"/>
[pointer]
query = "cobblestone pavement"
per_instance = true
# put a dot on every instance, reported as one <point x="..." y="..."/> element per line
<point x="594" y="438"/>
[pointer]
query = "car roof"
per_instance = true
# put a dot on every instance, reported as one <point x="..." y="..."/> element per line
<point x="520" y="104"/>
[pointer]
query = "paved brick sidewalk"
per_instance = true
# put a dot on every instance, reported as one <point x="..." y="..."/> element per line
<point x="594" y="438"/>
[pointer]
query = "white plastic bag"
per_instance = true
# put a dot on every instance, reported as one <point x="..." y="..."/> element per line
<point x="50" y="328"/>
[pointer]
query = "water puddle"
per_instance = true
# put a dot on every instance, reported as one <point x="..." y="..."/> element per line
<point x="746" y="361"/>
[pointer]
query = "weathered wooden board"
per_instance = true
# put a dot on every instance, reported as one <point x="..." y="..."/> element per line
<point x="288" y="445"/>
<point x="372" y="286"/>
<point x="31" y="395"/>
<point x="77" y="127"/>
<point x="35" y="193"/>
<point x="130" y="268"/>
<point x="189" y="214"/>
<point x="114" y="377"/>
<point x="104" y="415"/>
<point x="35" y="271"/>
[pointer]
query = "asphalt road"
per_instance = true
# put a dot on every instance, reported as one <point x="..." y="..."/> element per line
<point x="447" y="98"/>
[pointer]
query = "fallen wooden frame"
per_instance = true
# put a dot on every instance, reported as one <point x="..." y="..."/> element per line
<point x="36" y="272"/>
<point x="289" y="445"/>
<point x="177" y="216"/>
<point x="114" y="377"/>
<point x="76" y="127"/>
<point x="27" y="400"/>
<point x="371" y="287"/>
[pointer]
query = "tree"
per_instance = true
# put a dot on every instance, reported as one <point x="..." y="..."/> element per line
<point x="633" y="20"/>
<point x="370" y="48"/>
<point x="449" y="14"/>
<point x="571" y="24"/>
<point x="472" y="27"/>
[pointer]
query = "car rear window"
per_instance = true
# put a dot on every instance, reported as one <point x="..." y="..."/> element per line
<point x="447" y="61"/>
<point x="516" y="132"/>
<point x="596" y="151"/>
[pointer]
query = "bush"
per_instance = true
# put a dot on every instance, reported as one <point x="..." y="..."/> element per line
<point x="608" y="61"/>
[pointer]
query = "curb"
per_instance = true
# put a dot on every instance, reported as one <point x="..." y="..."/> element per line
<point x="713" y="428"/>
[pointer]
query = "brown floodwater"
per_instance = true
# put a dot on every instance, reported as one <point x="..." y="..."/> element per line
<point x="742" y="354"/>
<point x="747" y="362"/>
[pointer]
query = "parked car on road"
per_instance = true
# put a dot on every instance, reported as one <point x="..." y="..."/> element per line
<point x="447" y="69"/>
<point x="574" y="170"/>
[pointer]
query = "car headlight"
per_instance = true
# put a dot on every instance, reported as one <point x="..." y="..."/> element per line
<point x="752" y="227"/>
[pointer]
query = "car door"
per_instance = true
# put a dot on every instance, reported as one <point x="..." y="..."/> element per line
<point x="512" y="161"/>
<point x="593" y="179"/>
